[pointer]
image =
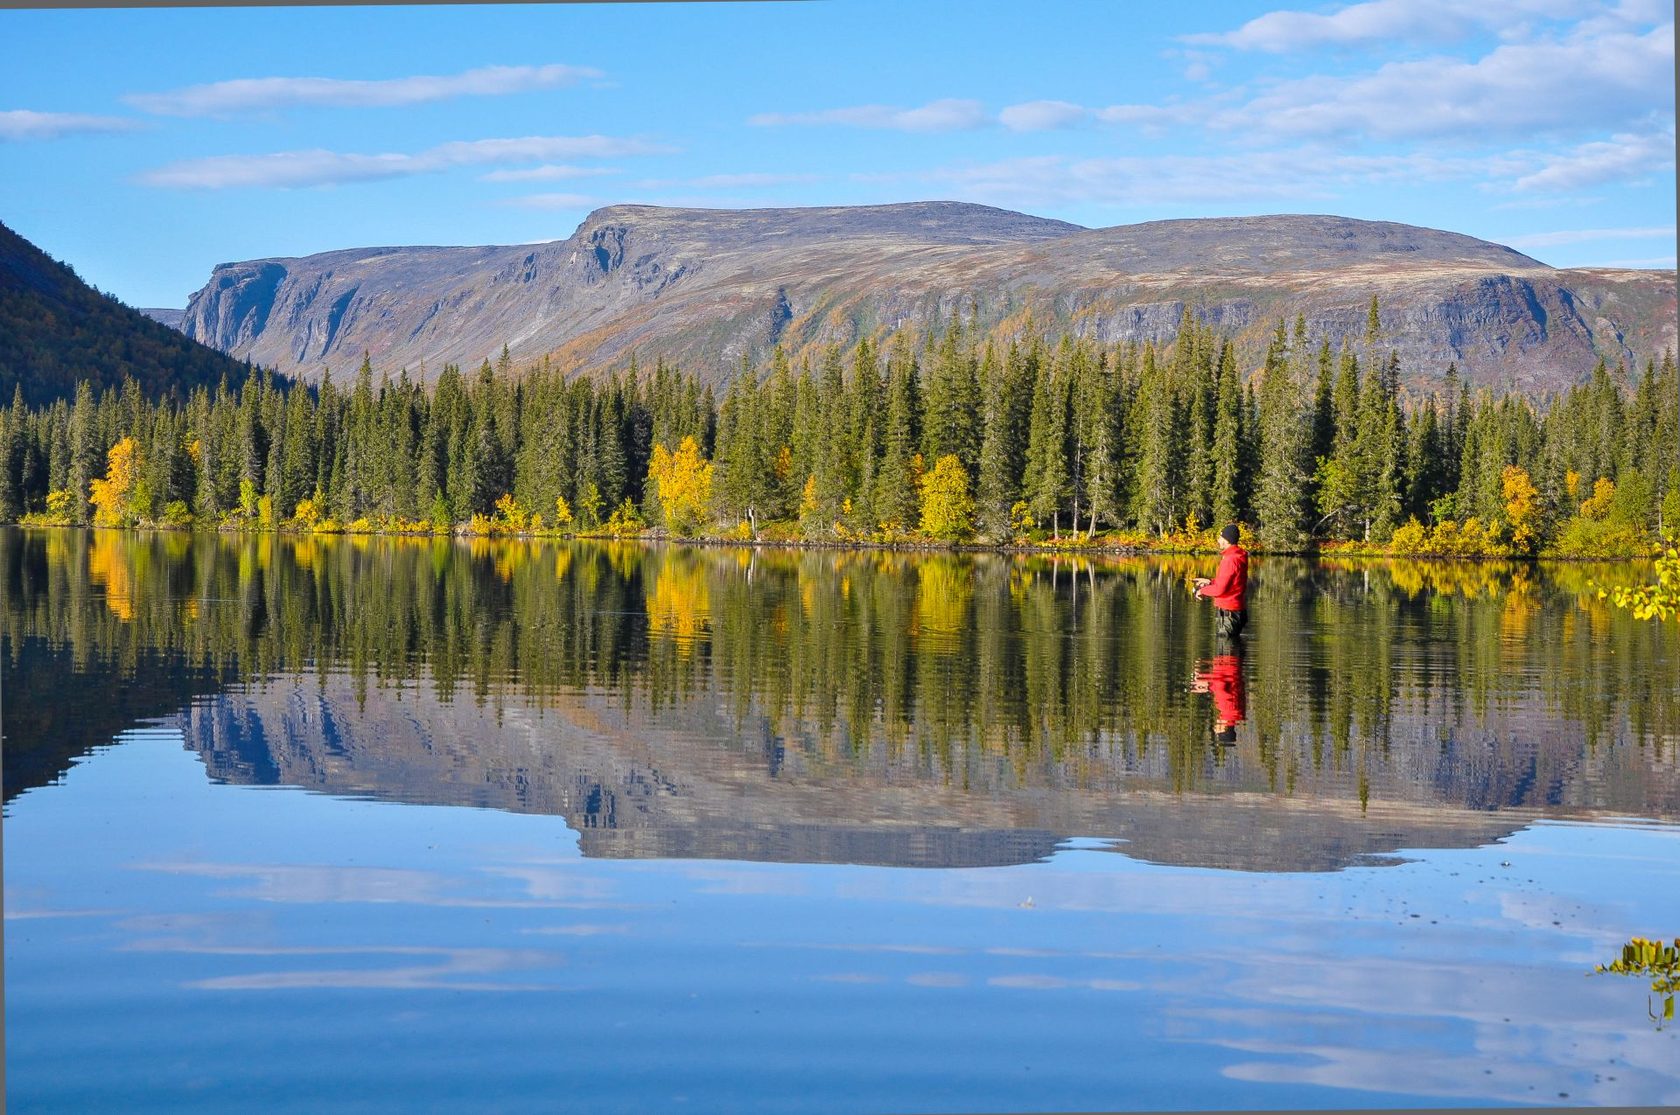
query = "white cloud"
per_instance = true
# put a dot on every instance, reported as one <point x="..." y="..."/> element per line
<point x="735" y="181"/>
<point x="1153" y="116"/>
<point x="553" y="201"/>
<point x="550" y="173"/>
<point x="1294" y="176"/>
<point x="946" y="115"/>
<point x="1380" y="22"/>
<point x="1664" y="262"/>
<point x="268" y="93"/>
<point x="1582" y="83"/>
<point x="1589" y="235"/>
<point x="1619" y="159"/>
<point x="290" y="169"/>
<point x="1039" y="116"/>
<point x="21" y="124"/>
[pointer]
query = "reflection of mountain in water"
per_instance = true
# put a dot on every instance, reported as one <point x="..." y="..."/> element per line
<point x="688" y="783"/>
<point x="854" y="706"/>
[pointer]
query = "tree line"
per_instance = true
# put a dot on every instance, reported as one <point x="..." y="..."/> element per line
<point x="952" y="436"/>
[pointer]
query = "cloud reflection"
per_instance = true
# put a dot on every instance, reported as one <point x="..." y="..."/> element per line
<point x="311" y="883"/>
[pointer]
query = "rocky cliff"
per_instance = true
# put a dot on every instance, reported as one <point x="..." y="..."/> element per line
<point x="703" y="288"/>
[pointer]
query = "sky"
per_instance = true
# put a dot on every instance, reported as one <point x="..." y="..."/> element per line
<point x="143" y="147"/>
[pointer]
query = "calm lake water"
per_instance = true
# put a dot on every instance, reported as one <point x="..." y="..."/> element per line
<point x="362" y="825"/>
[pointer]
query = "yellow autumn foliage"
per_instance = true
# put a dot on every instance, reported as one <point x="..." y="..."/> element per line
<point x="108" y="567"/>
<point x="679" y="606"/>
<point x="110" y="493"/>
<point x="1597" y="506"/>
<point x="1521" y="506"/>
<point x="682" y="483"/>
<point x="947" y="508"/>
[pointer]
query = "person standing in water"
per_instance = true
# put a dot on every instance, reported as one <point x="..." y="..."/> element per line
<point x="1229" y="587"/>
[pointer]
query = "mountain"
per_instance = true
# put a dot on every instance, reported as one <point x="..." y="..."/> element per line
<point x="691" y="782"/>
<point x="171" y="318"/>
<point x="59" y="331"/>
<point x="703" y="288"/>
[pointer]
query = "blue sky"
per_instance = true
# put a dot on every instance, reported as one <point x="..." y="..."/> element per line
<point x="145" y="146"/>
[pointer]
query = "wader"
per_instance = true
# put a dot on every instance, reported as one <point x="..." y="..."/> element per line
<point x="1231" y="624"/>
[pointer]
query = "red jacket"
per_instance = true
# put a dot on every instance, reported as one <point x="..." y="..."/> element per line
<point x="1229" y="588"/>
<point x="1224" y="680"/>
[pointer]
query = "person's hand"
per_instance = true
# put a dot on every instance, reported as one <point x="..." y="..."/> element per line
<point x="1199" y="582"/>
<point x="1200" y="685"/>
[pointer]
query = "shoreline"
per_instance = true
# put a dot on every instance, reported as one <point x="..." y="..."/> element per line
<point x="1095" y="548"/>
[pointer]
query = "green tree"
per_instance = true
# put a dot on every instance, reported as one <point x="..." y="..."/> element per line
<point x="1282" y="490"/>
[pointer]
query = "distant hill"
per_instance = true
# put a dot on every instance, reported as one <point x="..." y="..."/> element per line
<point x="56" y="331"/>
<point x="703" y="288"/>
<point x="171" y="318"/>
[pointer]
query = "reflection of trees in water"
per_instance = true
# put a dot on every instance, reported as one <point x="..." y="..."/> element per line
<point x="1659" y="962"/>
<point x="1467" y="682"/>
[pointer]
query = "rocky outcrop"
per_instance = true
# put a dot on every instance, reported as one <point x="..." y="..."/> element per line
<point x="703" y="288"/>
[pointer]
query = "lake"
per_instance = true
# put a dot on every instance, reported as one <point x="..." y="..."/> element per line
<point x="301" y="824"/>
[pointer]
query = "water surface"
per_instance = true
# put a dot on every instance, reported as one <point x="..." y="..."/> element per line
<point x="428" y="825"/>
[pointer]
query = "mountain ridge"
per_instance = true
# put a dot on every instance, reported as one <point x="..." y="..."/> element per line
<point x="706" y="288"/>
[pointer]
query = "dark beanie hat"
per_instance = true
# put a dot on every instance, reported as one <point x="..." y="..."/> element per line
<point x="1231" y="534"/>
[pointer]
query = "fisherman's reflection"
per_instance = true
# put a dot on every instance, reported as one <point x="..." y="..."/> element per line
<point x="1222" y="677"/>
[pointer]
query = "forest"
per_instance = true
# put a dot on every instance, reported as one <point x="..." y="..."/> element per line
<point x="948" y="437"/>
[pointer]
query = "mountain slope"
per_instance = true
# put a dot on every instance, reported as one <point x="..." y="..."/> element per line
<point x="58" y="331"/>
<point x="704" y="288"/>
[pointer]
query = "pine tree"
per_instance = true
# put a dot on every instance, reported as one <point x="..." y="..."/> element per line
<point x="998" y="483"/>
<point x="1226" y="498"/>
<point x="950" y="425"/>
<point x="84" y="456"/>
<point x="1047" y="476"/>
<point x="1194" y="377"/>
<point x="1160" y="491"/>
<point x="1280" y="503"/>
<point x="867" y="411"/>
<point x="10" y="505"/>
<point x="897" y="500"/>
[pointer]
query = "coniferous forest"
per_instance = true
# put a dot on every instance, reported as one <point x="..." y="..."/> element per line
<point x="947" y="437"/>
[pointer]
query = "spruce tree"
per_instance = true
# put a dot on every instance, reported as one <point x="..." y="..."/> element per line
<point x="897" y="500"/>
<point x="1226" y="496"/>
<point x="1047" y="476"/>
<point x="1161" y="450"/>
<point x="84" y="457"/>
<point x="1285" y="437"/>
<point x="998" y="485"/>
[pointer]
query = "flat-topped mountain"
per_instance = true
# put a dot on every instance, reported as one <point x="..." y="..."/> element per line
<point x="703" y="288"/>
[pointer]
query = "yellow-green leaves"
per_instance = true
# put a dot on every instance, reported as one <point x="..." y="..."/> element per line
<point x="1660" y="601"/>
<point x="947" y="508"/>
<point x="1641" y="957"/>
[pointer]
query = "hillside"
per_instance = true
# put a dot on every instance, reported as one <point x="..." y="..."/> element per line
<point x="704" y="288"/>
<point x="59" y="331"/>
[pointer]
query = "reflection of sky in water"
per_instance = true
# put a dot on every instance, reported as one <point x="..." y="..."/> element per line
<point x="191" y="945"/>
